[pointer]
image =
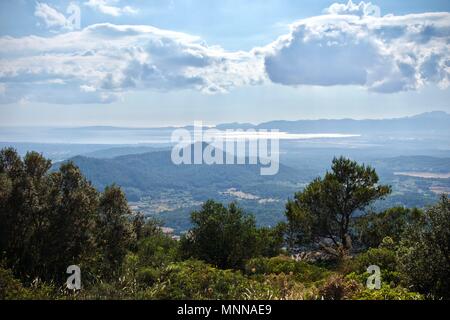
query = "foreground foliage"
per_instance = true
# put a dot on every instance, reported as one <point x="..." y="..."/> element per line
<point x="50" y="220"/>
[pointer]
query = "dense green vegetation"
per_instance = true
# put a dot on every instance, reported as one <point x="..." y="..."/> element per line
<point x="52" y="219"/>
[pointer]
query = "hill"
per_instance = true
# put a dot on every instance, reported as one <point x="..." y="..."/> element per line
<point x="147" y="173"/>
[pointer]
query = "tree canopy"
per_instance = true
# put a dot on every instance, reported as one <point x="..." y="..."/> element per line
<point x="227" y="236"/>
<point x="323" y="210"/>
<point x="424" y="252"/>
<point x="50" y="220"/>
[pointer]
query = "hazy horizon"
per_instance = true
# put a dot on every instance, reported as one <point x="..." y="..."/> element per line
<point x="219" y="123"/>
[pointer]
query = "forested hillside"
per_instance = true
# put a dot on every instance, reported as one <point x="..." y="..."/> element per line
<point x="157" y="187"/>
<point x="155" y="170"/>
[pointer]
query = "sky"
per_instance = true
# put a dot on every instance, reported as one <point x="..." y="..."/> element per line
<point x="170" y="62"/>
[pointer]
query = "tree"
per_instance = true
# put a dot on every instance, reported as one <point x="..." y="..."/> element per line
<point x="71" y="237"/>
<point x="115" y="234"/>
<point x="269" y="241"/>
<point x="424" y="252"/>
<point x="23" y="191"/>
<point x="324" y="209"/>
<point x="222" y="236"/>
<point x="299" y="226"/>
<point x="50" y="220"/>
<point x="374" y="227"/>
<point x="157" y="250"/>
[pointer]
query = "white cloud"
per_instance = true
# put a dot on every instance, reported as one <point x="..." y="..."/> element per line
<point x="384" y="54"/>
<point x="107" y="7"/>
<point x="101" y="62"/>
<point x="50" y="16"/>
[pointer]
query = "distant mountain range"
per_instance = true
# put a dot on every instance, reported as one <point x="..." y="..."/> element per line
<point x="423" y="134"/>
<point x="426" y="124"/>
<point x="430" y="122"/>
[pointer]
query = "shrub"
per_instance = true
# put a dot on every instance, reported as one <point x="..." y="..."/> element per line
<point x="148" y="276"/>
<point x="286" y="287"/>
<point x="194" y="279"/>
<point x="383" y="257"/>
<point x="302" y="271"/>
<point x="386" y="292"/>
<point x="12" y="289"/>
<point x="337" y="287"/>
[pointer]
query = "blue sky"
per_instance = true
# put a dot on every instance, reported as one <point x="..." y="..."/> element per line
<point x="220" y="61"/>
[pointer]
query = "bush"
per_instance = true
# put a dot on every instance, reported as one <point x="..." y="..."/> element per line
<point x="337" y="287"/>
<point x="12" y="289"/>
<point x="382" y="257"/>
<point x="197" y="280"/>
<point x="286" y="287"/>
<point x="387" y="293"/>
<point x="302" y="271"/>
<point x="148" y="276"/>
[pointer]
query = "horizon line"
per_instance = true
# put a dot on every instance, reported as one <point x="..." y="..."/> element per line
<point x="213" y="125"/>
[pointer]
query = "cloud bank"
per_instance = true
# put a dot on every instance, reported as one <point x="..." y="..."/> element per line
<point x="348" y="45"/>
<point x="101" y="62"/>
